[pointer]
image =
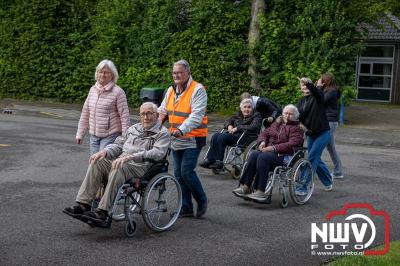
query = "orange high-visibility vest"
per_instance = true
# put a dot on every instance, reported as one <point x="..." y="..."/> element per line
<point x="178" y="112"/>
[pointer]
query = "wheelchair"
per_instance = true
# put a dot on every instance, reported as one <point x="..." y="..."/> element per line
<point x="295" y="176"/>
<point x="156" y="196"/>
<point x="235" y="156"/>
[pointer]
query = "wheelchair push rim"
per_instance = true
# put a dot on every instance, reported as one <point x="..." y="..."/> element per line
<point x="162" y="202"/>
<point x="301" y="180"/>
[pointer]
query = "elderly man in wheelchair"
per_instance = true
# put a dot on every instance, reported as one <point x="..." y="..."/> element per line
<point x="130" y="156"/>
<point x="239" y="130"/>
<point x="276" y="149"/>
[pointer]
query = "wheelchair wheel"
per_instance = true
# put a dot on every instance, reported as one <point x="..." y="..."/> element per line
<point x="252" y="147"/>
<point x="301" y="181"/>
<point x="284" y="201"/>
<point x="129" y="229"/>
<point x="162" y="202"/>
<point x="235" y="172"/>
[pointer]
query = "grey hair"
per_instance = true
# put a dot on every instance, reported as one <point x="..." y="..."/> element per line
<point x="295" y="111"/>
<point x="110" y="65"/>
<point x="183" y="63"/>
<point x="246" y="100"/>
<point x="150" y="104"/>
<point x="305" y="80"/>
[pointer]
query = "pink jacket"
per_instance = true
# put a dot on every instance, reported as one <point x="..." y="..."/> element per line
<point x="104" y="113"/>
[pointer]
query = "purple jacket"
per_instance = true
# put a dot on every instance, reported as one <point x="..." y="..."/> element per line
<point x="284" y="137"/>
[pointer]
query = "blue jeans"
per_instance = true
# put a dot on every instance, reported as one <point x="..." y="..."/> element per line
<point x="315" y="147"/>
<point x="337" y="163"/>
<point x="219" y="141"/>
<point x="97" y="143"/>
<point x="185" y="162"/>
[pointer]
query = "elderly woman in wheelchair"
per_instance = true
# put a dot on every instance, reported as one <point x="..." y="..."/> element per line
<point x="239" y="129"/>
<point x="276" y="145"/>
<point x="132" y="155"/>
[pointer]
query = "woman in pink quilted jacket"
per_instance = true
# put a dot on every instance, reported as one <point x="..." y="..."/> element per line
<point x="105" y="113"/>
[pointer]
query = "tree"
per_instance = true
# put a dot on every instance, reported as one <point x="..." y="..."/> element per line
<point x="257" y="9"/>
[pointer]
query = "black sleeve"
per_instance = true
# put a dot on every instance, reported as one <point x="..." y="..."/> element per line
<point x="231" y="121"/>
<point x="253" y="127"/>
<point x="268" y="108"/>
<point x="316" y="92"/>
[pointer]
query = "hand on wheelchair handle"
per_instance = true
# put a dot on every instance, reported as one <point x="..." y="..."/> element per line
<point x="176" y="133"/>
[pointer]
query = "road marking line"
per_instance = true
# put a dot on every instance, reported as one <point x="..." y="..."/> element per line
<point x="50" y="114"/>
<point x="4" y="145"/>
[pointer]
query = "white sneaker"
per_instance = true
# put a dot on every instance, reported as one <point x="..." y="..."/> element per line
<point x="258" y="196"/>
<point x="241" y="191"/>
<point x="337" y="176"/>
<point x="328" y="188"/>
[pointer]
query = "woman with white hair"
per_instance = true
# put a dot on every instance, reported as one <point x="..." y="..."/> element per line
<point x="274" y="144"/>
<point x="244" y="120"/>
<point x="105" y="113"/>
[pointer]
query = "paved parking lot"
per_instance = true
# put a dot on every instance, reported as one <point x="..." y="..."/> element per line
<point x="42" y="168"/>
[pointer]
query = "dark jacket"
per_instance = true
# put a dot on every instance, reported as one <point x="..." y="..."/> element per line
<point x="312" y="111"/>
<point x="268" y="108"/>
<point x="284" y="137"/>
<point x="331" y="98"/>
<point x="251" y="124"/>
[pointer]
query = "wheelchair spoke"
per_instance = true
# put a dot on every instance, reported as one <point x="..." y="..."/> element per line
<point x="162" y="202"/>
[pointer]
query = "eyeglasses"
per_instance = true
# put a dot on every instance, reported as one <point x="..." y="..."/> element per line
<point x="147" y="114"/>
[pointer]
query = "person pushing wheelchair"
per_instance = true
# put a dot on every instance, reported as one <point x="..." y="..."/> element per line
<point x="131" y="155"/>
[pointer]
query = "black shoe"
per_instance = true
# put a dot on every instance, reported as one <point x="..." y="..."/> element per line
<point x="205" y="164"/>
<point x="201" y="209"/>
<point x="96" y="216"/>
<point x="217" y="165"/>
<point x="184" y="214"/>
<point x="77" y="210"/>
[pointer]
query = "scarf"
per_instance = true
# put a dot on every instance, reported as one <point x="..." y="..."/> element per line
<point x="100" y="88"/>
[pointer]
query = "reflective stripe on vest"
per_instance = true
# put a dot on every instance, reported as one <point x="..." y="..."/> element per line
<point x="178" y="112"/>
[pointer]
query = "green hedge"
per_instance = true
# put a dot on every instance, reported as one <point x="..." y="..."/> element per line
<point x="50" y="48"/>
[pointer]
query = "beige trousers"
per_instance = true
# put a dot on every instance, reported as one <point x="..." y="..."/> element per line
<point x="101" y="172"/>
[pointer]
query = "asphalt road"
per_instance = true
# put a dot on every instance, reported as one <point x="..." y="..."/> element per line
<point x="41" y="169"/>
